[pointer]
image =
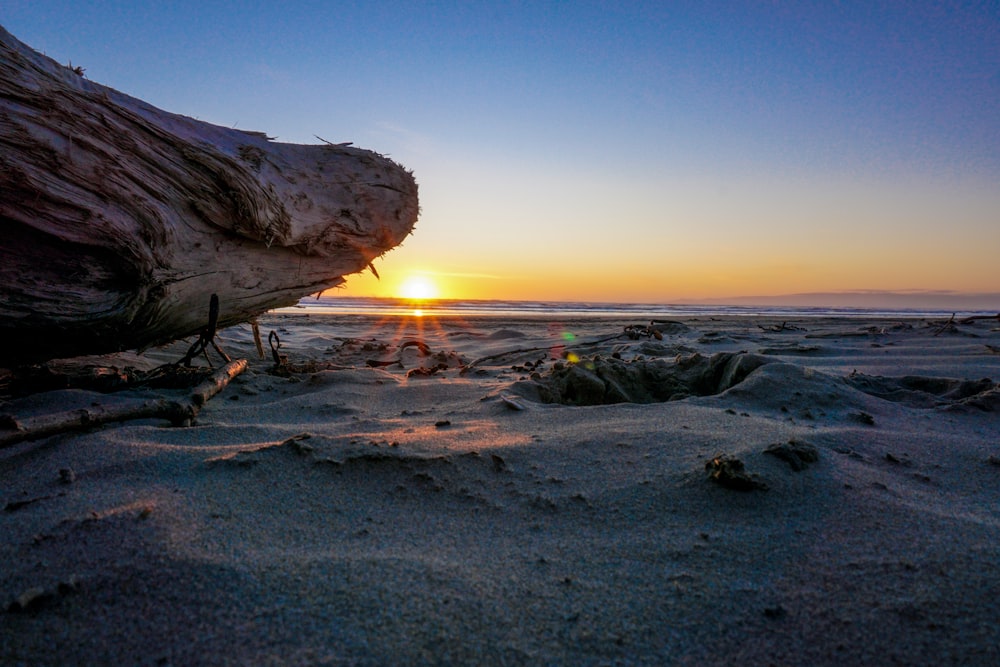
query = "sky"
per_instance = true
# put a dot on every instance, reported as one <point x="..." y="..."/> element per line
<point x="608" y="151"/>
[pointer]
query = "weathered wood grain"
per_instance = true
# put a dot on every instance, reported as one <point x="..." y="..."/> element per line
<point x="118" y="220"/>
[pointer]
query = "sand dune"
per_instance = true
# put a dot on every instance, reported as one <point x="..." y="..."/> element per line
<point x="526" y="492"/>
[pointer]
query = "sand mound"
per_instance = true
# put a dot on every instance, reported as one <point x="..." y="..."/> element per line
<point x="599" y="381"/>
<point x="833" y="503"/>
<point x="506" y="334"/>
<point x="929" y="392"/>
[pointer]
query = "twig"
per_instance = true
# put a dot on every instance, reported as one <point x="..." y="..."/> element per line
<point x="343" y="144"/>
<point x="947" y="326"/>
<point x="256" y="338"/>
<point x="178" y="412"/>
<point x="275" y="343"/>
<point x="218" y="381"/>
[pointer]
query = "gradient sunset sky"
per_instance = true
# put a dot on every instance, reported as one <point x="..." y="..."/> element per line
<point x="591" y="151"/>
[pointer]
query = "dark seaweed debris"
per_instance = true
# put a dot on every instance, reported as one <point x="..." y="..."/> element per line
<point x="796" y="453"/>
<point x="731" y="474"/>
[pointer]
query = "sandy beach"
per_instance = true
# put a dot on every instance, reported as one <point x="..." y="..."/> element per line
<point x="719" y="491"/>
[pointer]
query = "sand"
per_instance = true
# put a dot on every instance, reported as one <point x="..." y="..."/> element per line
<point x="819" y="491"/>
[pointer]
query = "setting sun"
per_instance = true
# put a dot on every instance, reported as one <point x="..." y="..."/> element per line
<point x="418" y="288"/>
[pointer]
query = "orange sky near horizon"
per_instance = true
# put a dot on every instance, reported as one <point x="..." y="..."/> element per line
<point x="875" y="236"/>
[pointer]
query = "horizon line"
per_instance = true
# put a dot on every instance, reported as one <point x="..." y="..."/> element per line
<point x="844" y="299"/>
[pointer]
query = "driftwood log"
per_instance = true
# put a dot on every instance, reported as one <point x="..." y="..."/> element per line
<point x="118" y="220"/>
<point x="179" y="412"/>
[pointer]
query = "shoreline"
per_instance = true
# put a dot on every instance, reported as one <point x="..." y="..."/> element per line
<point x="515" y="309"/>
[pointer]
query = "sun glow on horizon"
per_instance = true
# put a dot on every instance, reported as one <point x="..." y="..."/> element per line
<point x="419" y="288"/>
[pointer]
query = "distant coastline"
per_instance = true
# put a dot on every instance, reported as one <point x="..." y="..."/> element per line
<point x="869" y="299"/>
<point x="841" y="304"/>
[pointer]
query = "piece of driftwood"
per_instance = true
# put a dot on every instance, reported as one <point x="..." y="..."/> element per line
<point x="118" y="219"/>
<point x="948" y="326"/>
<point x="784" y="326"/>
<point x="178" y="412"/>
<point x="974" y="318"/>
<point x="524" y="350"/>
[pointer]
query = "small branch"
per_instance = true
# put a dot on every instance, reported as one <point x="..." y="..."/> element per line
<point x="343" y="144"/>
<point x="947" y="326"/>
<point x="256" y="338"/>
<point x="275" y="343"/>
<point x="214" y="384"/>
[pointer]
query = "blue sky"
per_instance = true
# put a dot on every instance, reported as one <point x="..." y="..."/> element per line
<point x="614" y="151"/>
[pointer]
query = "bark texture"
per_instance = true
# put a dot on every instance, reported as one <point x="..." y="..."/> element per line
<point x="118" y="220"/>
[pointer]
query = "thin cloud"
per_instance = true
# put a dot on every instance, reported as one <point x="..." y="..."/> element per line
<point x="485" y="276"/>
<point x="406" y="138"/>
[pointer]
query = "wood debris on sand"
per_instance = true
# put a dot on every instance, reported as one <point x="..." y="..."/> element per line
<point x="120" y="219"/>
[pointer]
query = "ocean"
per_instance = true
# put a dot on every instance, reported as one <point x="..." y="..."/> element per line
<point x="339" y="305"/>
